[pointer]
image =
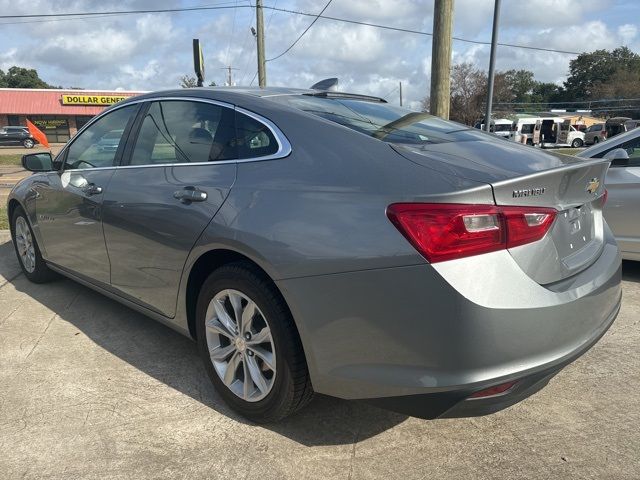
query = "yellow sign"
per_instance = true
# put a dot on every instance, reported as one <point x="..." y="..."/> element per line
<point x="95" y="100"/>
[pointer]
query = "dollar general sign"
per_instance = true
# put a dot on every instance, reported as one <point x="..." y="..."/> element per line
<point x="96" y="100"/>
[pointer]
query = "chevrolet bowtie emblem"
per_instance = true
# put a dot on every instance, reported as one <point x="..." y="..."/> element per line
<point x="592" y="186"/>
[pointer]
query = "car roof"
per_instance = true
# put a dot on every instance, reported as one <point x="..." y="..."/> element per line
<point x="233" y="94"/>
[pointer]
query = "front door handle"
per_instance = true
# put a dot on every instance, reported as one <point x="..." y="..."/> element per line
<point x="190" y="194"/>
<point x="92" y="189"/>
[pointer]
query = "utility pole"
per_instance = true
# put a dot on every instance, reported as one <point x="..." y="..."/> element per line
<point x="492" y="65"/>
<point x="400" y="93"/>
<point x="229" y="80"/>
<point x="441" y="58"/>
<point x="262" y="71"/>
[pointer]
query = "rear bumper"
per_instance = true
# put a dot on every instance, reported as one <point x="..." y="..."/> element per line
<point x="421" y="339"/>
<point x="455" y="404"/>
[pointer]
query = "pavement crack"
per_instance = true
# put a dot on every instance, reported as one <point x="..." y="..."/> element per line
<point x="353" y="452"/>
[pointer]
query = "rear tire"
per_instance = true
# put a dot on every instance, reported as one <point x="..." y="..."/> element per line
<point x="27" y="250"/>
<point x="28" y="143"/>
<point x="282" y="386"/>
<point x="577" y="143"/>
<point x="595" y="140"/>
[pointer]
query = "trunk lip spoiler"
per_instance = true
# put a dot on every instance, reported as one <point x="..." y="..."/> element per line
<point x="548" y="171"/>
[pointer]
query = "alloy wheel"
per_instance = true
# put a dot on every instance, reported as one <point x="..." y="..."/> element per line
<point x="240" y="345"/>
<point x="24" y="243"/>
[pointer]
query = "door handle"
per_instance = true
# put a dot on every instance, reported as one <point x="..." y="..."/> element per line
<point x="92" y="189"/>
<point x="190" y="194"/>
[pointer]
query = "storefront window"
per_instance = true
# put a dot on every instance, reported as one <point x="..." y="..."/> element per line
<point x="81" y="121"/>
<point x="55" y="128"/>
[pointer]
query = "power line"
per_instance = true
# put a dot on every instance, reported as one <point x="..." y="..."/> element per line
<point x="302" y="34"/>
<point x="284" y="10"/>
<point x="271" y="16"/>
<point x="233" y="28"/>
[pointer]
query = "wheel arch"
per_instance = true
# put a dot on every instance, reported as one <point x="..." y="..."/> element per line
<point x="207" y="263"/>
<point x="11" y="207"/>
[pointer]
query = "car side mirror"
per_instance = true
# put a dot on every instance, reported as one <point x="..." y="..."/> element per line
<point x="37" y="162"/>
<point x="618" y="156"/>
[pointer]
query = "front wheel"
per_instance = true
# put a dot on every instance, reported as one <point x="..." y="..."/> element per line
<point x="249" y="344"/>
<point x="28" y="143"/>
<point x="31" y="262"/>
<point x="577" y="143"/>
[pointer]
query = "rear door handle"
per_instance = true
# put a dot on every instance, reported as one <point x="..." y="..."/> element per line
<point x="190" y="194"/>
<point x="92" y="189"/>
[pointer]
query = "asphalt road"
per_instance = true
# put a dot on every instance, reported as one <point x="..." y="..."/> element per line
<point x="90" y="389"/>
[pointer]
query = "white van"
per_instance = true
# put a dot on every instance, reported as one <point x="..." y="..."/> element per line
<point x="546" y="132"/>
<point x="500" y="127"/>
<point x="557" y="132"/>
<point x="522" y="130"/>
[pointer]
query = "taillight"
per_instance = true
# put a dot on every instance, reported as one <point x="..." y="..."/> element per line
<point x="605" y="195"/>
<point x="448" y="231"/>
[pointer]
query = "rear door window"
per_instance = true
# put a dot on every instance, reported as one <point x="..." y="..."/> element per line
<point x="177" y="131"/>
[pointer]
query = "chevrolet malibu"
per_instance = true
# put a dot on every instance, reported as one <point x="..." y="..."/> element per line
<point x="315" y="241"/>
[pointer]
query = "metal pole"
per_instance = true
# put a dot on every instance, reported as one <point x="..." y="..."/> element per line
<point x="441" y="58"/>
<point x="262" y="71"/>
<point x="492" y="64"/>
<point x="400" y="93"/>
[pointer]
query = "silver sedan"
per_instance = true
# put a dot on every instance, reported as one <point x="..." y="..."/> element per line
<point x="623" y="185"/>
<point x="315" y="241"/>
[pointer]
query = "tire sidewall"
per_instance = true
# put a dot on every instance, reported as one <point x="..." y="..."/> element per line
<point x="245" y="282"/>
<point x="41" y="272"/>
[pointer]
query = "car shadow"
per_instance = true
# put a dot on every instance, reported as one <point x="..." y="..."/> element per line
<point x="173" y="359"/>
<point x="631" y="271"/>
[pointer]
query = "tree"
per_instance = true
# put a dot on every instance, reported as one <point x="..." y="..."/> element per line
<point x="468" y="92"/>
<point x="598" y="68"/>
<point x="18" y="77"/>
<point x="187" y="81"/>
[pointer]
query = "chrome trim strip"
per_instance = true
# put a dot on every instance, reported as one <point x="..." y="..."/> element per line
<point x="284" y="147"/>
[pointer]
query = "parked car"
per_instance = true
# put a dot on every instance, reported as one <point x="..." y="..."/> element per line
<point x="391" y="256"/>
<point x="623" y="185"/>
<point x="16" y="136"/>
<point x="595" y="134"/>
<point x="109" y="141"/>
<point x="617" y="125"/>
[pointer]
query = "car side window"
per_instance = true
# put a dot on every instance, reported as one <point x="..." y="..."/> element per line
<point x="98" y="144"/>
<point x="254" y="139"/>
<point x="177" y="131"/>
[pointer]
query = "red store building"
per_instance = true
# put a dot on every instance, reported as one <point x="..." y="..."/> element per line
<point x="58" y="113"/>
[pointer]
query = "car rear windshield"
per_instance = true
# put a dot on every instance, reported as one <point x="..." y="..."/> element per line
<point x="382" y="121"/>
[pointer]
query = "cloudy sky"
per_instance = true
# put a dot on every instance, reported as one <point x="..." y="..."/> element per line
<point x="152" y="51"/>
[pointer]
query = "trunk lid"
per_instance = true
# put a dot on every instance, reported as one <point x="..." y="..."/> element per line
<point x="521" y="175"/>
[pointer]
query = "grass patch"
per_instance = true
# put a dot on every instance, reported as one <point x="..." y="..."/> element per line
<point x="567" y="151"/>
<point x="4" y="221"/>
<point x="10" y="159"/>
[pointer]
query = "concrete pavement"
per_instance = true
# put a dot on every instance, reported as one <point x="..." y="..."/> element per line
<point x="91" y="389"/>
